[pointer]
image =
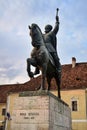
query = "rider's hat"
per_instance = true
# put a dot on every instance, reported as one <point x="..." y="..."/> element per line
<point x="48" y="28"/>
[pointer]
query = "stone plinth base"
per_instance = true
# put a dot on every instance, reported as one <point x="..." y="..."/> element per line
<point x="37" y="111"/>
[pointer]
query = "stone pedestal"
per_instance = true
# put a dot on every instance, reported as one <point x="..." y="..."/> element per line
<point x="38" y="111"/>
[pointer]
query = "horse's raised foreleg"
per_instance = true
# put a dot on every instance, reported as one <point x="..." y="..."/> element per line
<point x="30" y="61"/>
<point x="49" y="82"/>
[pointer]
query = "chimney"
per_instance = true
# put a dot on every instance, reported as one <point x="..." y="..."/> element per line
<point x="73" y="62"/>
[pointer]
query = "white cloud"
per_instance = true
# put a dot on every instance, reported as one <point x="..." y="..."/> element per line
<point x="17" y="79"/>
<point x="2" y="69"/>
<point x="21" y="78"/>
<point x="7" y="75"/>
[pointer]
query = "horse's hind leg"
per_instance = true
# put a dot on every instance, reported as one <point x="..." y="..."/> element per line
<point x="58" y="81"/>
<point x="49" y="82"/>
<point x="44" y="68"/>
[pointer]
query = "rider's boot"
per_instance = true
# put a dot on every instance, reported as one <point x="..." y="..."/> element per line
<point x="56" y="61"/>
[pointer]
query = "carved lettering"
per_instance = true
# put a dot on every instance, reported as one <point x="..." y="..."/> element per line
<point x="22" y="114"/>
<point x="36" y="114"/>
<point x="26" y="117"/>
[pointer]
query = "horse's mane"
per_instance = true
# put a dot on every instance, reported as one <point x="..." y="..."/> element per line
<point x="33" y="24"/>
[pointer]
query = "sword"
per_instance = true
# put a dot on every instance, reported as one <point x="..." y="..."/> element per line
<point x="57" y="10"/>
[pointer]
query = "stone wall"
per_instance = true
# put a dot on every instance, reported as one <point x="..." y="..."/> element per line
<point x="60" y="114"/>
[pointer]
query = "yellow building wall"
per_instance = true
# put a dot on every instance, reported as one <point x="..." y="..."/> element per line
<point x="10" y="102"/>
<point x="2" y="105"/>
<point x="79" y="118"/>
<point x="79" y="126"/>
<point x="80" y="96"/>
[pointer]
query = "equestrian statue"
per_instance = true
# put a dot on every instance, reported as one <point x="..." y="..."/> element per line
<point x="44" y="55"/>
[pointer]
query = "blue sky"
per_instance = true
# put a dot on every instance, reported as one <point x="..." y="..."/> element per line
<point x="15" y="42"/>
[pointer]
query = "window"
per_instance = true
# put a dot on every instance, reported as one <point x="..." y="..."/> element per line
<point x="3" y="111"/>
<point x="74" y="106"/>
<point x="75" y="103"/>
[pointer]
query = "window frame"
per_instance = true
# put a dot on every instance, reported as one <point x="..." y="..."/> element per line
<point x="74" y="101"/>
<point x="3" y="111"/>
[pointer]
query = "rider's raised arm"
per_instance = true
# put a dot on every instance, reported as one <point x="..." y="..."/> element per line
<point x="56" y="27"/>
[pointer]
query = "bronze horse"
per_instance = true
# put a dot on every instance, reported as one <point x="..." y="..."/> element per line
<point x="41" y="58"/>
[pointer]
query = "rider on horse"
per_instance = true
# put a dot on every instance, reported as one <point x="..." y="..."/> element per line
<point x="43" y="53"/>
<point x="51" y="43"/>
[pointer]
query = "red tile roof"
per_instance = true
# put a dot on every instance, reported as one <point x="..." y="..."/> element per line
<point x="28" y="86"/>
<point x="72" y="78"/>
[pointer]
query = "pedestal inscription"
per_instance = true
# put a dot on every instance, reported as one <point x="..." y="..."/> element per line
<point x="31" y="110"/>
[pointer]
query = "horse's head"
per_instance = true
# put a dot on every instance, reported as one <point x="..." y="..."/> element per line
<point x="36" y="35"/>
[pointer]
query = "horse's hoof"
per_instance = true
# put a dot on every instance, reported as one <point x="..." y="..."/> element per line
<point x="31" y="75"/>
<point x="36" y="72"/>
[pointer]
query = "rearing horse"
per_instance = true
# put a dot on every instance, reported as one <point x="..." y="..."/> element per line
<point x="41" y="58"/>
